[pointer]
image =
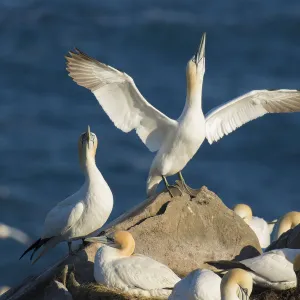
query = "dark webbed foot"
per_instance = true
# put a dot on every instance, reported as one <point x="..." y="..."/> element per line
<point x="169" y="187"/>
<point x="193" y="193"/>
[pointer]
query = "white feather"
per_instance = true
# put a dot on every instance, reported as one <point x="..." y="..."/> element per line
<point x="233" y="114"/>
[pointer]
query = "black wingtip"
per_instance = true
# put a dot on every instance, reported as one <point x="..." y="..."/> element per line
<point x="34" y="245"/>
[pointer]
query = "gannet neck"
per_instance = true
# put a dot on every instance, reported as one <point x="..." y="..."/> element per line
<point x="288" y="221"/>
<point x="194" y="79"/>
<point x="126" y="242"/>
<point x="244" y="211"/>
<point x="233" y="281"/>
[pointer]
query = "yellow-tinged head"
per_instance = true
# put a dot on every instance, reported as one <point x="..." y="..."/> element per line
<point x="87" y="146"/>
<point x="244" y="211"/>
<point x="236" y="284"/>
<point x="288" y="221"/>
<point x="195" y="69"/>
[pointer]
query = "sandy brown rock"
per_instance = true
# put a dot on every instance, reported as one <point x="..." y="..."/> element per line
<point x="180" y="232"/>
<point x="183" y="233"/>
<point x="57" y="291"/>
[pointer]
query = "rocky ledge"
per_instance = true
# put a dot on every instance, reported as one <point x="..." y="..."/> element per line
<point x="181" y="232"/>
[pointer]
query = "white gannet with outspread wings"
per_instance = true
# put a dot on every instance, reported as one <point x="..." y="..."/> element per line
<point x="176" y="141"/>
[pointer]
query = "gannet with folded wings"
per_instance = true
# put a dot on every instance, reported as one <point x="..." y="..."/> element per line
<point x="176" y="141"/>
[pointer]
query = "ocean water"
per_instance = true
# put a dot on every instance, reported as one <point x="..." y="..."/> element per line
<point x="250" y="45"/>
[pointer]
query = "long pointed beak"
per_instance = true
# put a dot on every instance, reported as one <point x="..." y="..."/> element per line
<point x="88" y="136"/>
<point x="97" y="239"/>
<point x="201" y="50"/>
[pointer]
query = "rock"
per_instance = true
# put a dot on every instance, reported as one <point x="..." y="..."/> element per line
<point x="183" y="233"/>
<point x="57" y="291"/>
<point x="289" y="239"/>
<point x="180" y="232"/>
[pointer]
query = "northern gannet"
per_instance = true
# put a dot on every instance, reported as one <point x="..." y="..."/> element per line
<point x="296" y="267"/>
<point x="285" y="223"/>
<point x="273" y="269"/>
<point x="237" y="284"/>
<point x="258" y="225"/>
<point x="82" y="213"/>
<point x="198" y="285"/>
<point x="134" y="274"/>
<point x="176" y="141"/>
<point x="14" y="233"/>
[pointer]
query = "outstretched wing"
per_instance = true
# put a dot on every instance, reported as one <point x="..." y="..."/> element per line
<point x="233" y="114"/>
<point x="118" y="95"/>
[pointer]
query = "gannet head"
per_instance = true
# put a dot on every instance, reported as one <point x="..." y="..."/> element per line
<point x="121" y="239"/>
<point x="196" y="67"/>
<point x="244" y="211"/>
<point x="288" y="221"/>
<point x="87" y="146"/>
<point x="236" y="284"/>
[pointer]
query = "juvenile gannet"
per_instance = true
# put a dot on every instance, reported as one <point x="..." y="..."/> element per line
<point x="14" y="233"/>
<point x="176" y="141"/>
<point x="273" y="269"/>
<point x="198" y="285"/>
<point x="258" y="225"/>
<point x="285" y="223"/>
<point x="237" y="284"/>
<point x="134" y="274"/>
<point x="84" y="212"/>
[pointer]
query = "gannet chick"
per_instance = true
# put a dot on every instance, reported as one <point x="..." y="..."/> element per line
<point x="176" y="141"/>
<point x="237" y="284"/>
<point x="134" y="274"/>
<point x="258" y="225"/>
<point x="14" y="233"/>
<point x="273" y="269"/>
<point x="198" y="285"/>
<point x="84" y="212"/>
<point x="285" y="223"/>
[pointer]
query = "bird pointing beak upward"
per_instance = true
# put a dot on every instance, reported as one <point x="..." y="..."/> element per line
<point x="201" y="50"/>
<point x="88" y="136"/>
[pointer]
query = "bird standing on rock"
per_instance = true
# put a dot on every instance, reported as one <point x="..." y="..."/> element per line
<point x="176" y="141"/>
<point x="84" y="212"/>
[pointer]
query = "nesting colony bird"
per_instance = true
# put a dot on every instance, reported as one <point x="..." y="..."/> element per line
<point x="134" y="274"/>
<point x="285" y="223"/>
<point x="273" y="269"/>
<point x="237" y="284"/>
<point x="84" y="212"/>
<point x="198" y="285"/>
<point x="296" y="267"/>
<point x="176" y="141"/>
<point x="258" y="225"/>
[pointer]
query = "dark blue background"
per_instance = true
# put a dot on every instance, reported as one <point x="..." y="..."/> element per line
<point x="250" y="45"/>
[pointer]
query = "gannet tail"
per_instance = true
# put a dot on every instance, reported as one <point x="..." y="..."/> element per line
<point x="35" y="246"/>
<point x="152" y="184"/>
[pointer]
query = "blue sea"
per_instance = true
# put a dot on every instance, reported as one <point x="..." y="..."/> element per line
<point x="250" y="45"/>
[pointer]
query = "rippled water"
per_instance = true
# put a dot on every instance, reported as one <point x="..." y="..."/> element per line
<point x="250" y="45"/>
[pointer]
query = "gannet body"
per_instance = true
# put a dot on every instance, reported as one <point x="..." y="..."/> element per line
<point x="136" y="274"/>
<point x="198" y="285"/>
<point x="84" y="212"/>
<point x="175" y="140"/>
<point x="258" y="225"/>
<point x="285" y="223"/>
<point x="273" y="269"/>
<point x="237" y="284"/>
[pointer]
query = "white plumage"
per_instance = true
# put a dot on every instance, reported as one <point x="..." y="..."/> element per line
<point x="82" y="213"/>
<point x="273" y="269"/>
<point x="258" y="225"/>
<point x="134" y="274"/>
<point x="176" y="141"/>
<point x="198" y="285"/>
